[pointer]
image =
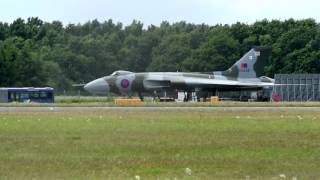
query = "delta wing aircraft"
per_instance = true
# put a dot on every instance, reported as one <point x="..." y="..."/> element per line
<point x="246" y="73"/>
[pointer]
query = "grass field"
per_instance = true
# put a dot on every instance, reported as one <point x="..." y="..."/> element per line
<point x="92" y="101"/>
<point x="108" y="101"/>
<point x="152" y="145"/>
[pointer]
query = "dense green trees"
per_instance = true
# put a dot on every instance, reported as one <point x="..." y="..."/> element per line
<point x="37" y="53"/>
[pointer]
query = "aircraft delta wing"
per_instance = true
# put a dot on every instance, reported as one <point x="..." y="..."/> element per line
<point x="244" y="74"/>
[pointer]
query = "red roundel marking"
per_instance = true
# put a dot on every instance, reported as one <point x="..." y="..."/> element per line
<point x="125" y="83"/>
<point x="243" y="65"/>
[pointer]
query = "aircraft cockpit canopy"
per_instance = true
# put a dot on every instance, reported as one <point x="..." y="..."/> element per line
<point x="120" y="73"/>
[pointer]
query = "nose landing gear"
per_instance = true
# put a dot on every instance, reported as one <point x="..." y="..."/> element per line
<point x="140" y="96"/>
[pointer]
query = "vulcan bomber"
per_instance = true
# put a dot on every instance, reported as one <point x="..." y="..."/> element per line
<point x="246" y="73"/>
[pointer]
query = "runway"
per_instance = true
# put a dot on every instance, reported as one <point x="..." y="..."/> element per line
<point x="18" y="109"/>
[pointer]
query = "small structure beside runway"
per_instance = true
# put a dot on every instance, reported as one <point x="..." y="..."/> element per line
<point x="27" y="94"/>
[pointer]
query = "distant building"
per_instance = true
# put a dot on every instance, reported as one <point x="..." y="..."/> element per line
<point x="296" y="87"/>
<point x="27" y="94"/>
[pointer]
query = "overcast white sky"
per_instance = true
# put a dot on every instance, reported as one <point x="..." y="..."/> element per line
<point x="154" y="12"/>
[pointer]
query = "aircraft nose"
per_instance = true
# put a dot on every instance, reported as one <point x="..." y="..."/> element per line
<point x="98" y="86"/>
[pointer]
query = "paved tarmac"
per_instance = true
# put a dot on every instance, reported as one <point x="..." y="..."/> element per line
<point x="17" y="109"/>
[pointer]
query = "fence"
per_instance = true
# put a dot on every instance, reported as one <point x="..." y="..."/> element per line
<point x="297" y="87"/>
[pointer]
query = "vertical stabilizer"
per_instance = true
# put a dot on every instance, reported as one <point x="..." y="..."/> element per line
<point x="251" y="65"/>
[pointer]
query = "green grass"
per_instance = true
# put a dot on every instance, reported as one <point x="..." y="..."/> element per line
<point x="108" y="101"/>
<point x="83" y="99"/>
<point x="154" y="144"/>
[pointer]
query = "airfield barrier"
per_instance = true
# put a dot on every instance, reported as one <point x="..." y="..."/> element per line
<point x="214" y="99"/>
<point x="127" y="101"/>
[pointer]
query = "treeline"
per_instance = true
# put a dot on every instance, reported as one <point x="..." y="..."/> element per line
<point x="37" y="53"/>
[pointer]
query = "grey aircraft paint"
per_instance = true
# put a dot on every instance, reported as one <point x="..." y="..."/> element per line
<point x="245" y="73"/>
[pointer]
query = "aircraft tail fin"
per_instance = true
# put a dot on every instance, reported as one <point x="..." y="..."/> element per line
<point x="251" y="65"/>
